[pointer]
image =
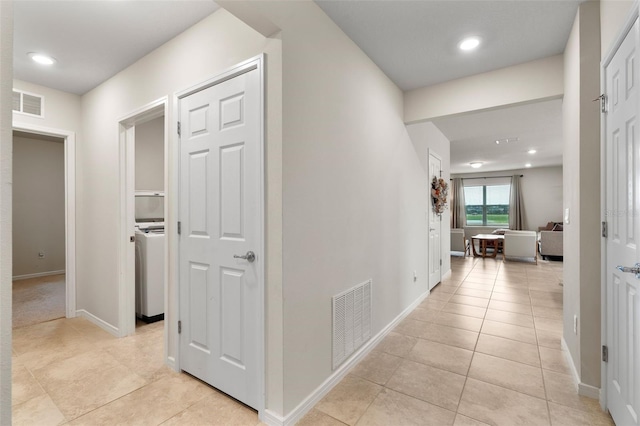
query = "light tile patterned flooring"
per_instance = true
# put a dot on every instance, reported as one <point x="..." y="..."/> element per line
<point x="483" y="348"/>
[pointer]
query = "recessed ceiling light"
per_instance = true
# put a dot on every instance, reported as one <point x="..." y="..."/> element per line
<point x="42" y="59"/>
<point x="469" y="43"/>
<point x="532" y="151"/>
<point x="528" y="165"/>
<point x="476" y="164"/>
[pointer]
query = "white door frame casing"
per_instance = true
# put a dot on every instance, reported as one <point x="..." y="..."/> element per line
<point x="634" y="14"/>
<point x="69" y="207"/>
<point x="126" y="248"/>
<point x="430" y="153"/>
<point x="243" y="67"/>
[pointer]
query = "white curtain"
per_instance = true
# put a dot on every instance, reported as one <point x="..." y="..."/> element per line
<point x="458" y="214"/>
<point x="516" y="208"/>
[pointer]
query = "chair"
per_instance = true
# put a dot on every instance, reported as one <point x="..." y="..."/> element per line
<point x="520" y="244"/>
<point x="459" y="242"/>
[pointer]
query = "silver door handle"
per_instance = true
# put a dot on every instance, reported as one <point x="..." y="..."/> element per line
<point x="632" y="270"/>
<point x="249" y="257"/>
<point x="432" y="229"/>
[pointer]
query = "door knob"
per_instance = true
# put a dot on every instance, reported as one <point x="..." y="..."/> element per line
<point x="632" y="270"/>
<point x="249" y="257"/>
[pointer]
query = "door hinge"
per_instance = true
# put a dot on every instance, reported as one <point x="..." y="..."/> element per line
<point x="179" y="228"/>
<point x="603" y="102"/>
<point x="604" y="229"/>
<point x="179" y="129"/>
<point x="440" y="262"/>
<point x="179" y="327"/>
<point x="605" y="353"/>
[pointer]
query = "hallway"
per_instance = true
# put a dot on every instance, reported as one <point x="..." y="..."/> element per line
<point x="484" y="348"/>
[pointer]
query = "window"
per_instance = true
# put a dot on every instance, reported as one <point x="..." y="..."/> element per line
<point x="487" y="205"/>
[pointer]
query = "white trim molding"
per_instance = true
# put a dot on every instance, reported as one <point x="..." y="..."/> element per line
<point x="37" y="275"/>
<point x="310" y="401"/>
<point x="582" y="388"/>
<point x="97" y="321"/>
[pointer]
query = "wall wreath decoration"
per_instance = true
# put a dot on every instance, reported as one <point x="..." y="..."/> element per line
<point x="439" y="192"/>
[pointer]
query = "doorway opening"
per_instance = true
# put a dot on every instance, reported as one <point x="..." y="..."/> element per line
<point x="43" y="225"/>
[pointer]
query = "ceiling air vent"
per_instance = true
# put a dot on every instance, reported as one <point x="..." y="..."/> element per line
<point x="28" y="103"/>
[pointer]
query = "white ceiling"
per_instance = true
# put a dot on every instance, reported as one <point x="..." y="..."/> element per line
<point x="537" y="126"/>
<point x="415" y="44"/>
<point x="94" y="40"/>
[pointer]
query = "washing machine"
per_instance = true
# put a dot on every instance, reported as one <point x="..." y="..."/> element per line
<point x="150" y="271"/>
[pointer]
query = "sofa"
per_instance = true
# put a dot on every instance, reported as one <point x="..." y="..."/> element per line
<point x="550" y="239"/>
<point x="520" y="244"/>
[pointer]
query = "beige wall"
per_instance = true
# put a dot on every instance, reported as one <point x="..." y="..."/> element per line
<point x="541" y="193"/>
<point x="6" y="77"/>
<point x="522" y="83"/>
<point x="581" y="163"/>
<point x="38" y="205"/>
<point x="149" y="147"/>
<point x="61" y="109"/>
<point x="613" y="15"/>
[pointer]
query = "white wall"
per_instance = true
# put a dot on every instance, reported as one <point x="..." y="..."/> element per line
<point x="541" y="193"/>
<point x="353" y="190"/>
<point x="6" y="77"/>
<point x="210" y="47"/>
<point x="38" y="205"/>
<point x="522" y="83"/>
<point x="613" y="15"/>
<point x="149" y="148"/>
<point x="581" y="165"/>
<point x="426" y="136"/>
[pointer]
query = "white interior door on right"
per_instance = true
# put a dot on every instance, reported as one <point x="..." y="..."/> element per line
<point x="622" y="191"/>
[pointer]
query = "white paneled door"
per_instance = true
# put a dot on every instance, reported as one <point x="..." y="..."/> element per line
<point x="435" y="223"/>
<point x="622" y="174"/>
<point x="220" y="236"/>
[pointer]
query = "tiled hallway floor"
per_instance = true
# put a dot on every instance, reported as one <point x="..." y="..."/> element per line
<point x="484" y="347"/>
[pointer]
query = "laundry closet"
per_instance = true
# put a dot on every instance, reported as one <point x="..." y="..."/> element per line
<point x="149" y="219"/>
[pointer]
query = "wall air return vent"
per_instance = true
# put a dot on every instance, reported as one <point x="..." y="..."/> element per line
<point x="28" y="103"/>
<point x="351" y="321"/>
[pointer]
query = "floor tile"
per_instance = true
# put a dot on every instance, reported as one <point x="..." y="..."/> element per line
<point x="498" y="406"/>
<point x="429" y="384"/>
<point x="377" y="367"/>
<point x="411" y="327"/>
<point x="227" y="412"/>
<point x="423" y="314"/>
<point x="458" y="321"/>
<point x="433" y="304"/>
<point x="500" y="288"/>
<point x="509" y="331"/>
<point x="318" y="418"/>
<point x="552" y="313"/>
<point x="88" y="393"/>
<point x="522" y="299"/>
<point x="396" y="344"/>
<point x="561" y="390"/>
<point x="508" y="374"/>
<point x="465" y="291"/>
<point x="554" y="360"/>
<point x="467" y="421"/>
<point x="393" y="408"/>
<point x="442" y="356"/>
<point x="349" y="399"/>
<point x="438" y="295"/>
<point x="477" y="286"/>
<point x="471" y="311"/>
<point x="548" y="324"/>
<point x="566" y="416"/>
<point x="509" y="318"/>
<point x="510" y="307"/>
<point x="508" y="349"/>
<point x="23" y="385"/>
<point x="39" y="411"/>
<point x="450" y="336"/>
<point x="152" y="404"/>
<point x="549" y="339"/>
<point x="469" y="300"/>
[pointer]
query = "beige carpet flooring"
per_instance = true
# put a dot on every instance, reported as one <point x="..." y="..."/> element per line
<point x="38" y="300"/>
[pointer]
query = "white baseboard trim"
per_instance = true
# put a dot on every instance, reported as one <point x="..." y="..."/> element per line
<point x="97" y="321"/>
<point x="582" y="388"/>
<point x="446" y="275"/>
<point x="310" y="401"/>
<point x="36" y="275"/>
<point x="171" y="363"/>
